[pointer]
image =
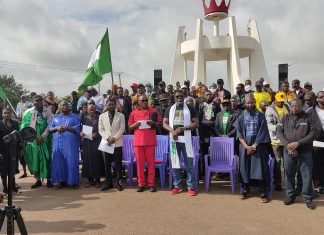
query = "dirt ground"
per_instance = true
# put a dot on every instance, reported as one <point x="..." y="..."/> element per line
<point x="90" y="211"/>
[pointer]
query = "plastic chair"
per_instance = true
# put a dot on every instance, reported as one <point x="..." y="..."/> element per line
<point x="128" y="157"/>
<point x="161" y="156"/>
<point x="220" y="160"/>
<point x="196" y="147"/>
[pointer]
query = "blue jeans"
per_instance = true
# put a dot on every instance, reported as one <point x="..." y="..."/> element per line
<point x="305" y="162"/>
<point x="191" y="177"/>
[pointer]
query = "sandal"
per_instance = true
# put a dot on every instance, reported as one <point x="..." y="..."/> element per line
<point x="243" y="195"/>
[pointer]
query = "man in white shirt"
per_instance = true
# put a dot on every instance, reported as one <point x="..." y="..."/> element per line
<point x="22" y="106"/>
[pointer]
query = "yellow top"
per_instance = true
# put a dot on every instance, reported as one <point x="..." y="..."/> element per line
<point x="261" y="96"/>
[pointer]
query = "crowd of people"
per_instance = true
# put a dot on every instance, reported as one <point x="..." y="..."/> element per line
<point x="263" y="122"/>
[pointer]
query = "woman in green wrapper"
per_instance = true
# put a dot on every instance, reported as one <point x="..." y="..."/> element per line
<point x="38" y="153"/>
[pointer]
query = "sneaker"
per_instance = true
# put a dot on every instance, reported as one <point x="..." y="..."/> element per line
<point x="107" y="187"/>
<point x="152" y="189"/>
<point x="119" y="187"/>
<point x="310" y="205"/>
<point x="140" y="189"/>
<point x="289" y="201"/>
<point x="176" y="191"/>
<point x="192" y="192"/>
<point x="37" y="184"/>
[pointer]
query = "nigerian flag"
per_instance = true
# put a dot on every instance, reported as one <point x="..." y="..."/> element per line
<point x="3" y="94"/>
<point x="99" y="64"/>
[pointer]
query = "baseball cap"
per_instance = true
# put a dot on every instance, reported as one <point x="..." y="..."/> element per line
<point x="307" y="84"/>
<point x="265" y="83"/>
<point x="220" y="81"/>
<point x="258" y="83"/>
<point x="226" y="101"/>
<point x="134" y="85"/>
<point x="163" y="97"/>
<point x="37" y="97"/>
<point x="162" y="83"/>
<point x="280" y="97"/>
<point x="184" y="87"/>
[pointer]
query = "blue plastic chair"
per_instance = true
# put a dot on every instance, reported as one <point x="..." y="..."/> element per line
<point x="161" y="156"/>
<point x="221" y="159"/>
<point x="196" y="147"/>
<point x="128" y="157"/>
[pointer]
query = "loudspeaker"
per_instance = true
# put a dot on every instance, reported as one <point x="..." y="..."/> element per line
<point x="283" y="73"/>
<point x="157" y="77"/>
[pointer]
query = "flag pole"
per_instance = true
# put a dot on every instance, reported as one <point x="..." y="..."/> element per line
<point x="11" y="106"/>
<point x="112" y="73"/>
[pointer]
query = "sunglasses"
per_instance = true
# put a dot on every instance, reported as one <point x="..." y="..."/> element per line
<point x="143" y="101"/>
<point x="179" y="96"/>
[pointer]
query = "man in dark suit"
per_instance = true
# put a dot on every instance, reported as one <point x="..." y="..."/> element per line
<point x="224" y="125"/>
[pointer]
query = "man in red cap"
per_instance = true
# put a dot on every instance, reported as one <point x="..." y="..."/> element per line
<point x="134" y="89"/>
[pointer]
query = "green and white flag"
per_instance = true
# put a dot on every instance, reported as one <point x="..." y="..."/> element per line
<point x="99" y="64"/>
<point x="3" y="94"/>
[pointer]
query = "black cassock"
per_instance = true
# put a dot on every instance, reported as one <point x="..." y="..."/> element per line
<point x="254" y="166"/>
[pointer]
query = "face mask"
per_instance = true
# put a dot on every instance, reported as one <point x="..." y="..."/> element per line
<point x="212" y="90"/>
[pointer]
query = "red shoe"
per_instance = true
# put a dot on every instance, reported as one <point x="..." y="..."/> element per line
<point x="176" y="191"/>
<point x="192" y="192"/>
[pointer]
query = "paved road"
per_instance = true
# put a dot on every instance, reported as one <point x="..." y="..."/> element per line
<point x="90" y="211"/>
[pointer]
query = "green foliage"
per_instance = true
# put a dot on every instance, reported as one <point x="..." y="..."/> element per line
<point x="12" y="89"/>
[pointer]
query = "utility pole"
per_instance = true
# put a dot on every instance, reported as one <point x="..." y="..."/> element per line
<point x="119" y="78"/>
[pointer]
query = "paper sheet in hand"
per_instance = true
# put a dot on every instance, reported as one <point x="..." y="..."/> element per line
<point x="144" y="125"/>
<point x="181" y="139"/>
<point x="87" y="130"/>
<point x="318" y="144"/>
<point x="104" y="147"/>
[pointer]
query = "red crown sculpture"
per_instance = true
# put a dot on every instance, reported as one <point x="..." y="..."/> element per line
<point x="215" y="11"/>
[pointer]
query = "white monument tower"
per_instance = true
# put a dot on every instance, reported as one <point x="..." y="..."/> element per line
<point x="230" y="48"/>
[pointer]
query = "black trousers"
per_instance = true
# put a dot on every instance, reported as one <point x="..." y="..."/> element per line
<point x="116" y="157"/>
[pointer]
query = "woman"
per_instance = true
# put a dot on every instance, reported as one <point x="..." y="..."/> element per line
<point x="7" y="125"/>
<point x="93" y="165"/>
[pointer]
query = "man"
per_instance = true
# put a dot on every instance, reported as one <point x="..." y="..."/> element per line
<point x="273" y="115"/>
<point x="300" y="92"/>
<point x="180" y="120"/>
<point x="164" y="104"/>
<point x="185" y="91"/>
<point x="74" y="102"/>
<point x="234" y="106"/>
<point x="84" y="99"/>
<point x="143" y="121"/>
<point x="240" y="95"/>
<point x="65" y="150"/>
<point x="248" y="82"/>
<point x="51" y="100"/>
<point x="263" y="106"/>
<point x="207" y="116"/>
<point x="37" y="153"/>
<point x="161" y="91"/>
<point x="308" y="86"/>
<point x="260" y="95"/>
<point x="140" y="91"/>
<point x="309" y="100"/>
<point x="224" y="125"/>
<point x="134" y="91"/>
<point x="22" y="106"/>
<point x="253" y="134"/>
<point x="7" y="126"/>
<point x="201" y="98"/>
<point x="124" y="106"/>
<point x="186" y="83"/>
<point x="317" y="111"/>
<point x="98" y="99"/>
<point x="111" y="129"/>
<point x="287" y="94"/>
<point x="222" y="93"/>
<point x="170" y="94"/>
<point x="148" y="89"/>
<point x="296" y="133"/>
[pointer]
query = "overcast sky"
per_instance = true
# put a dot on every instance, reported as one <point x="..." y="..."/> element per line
<point x="64" y="33"/>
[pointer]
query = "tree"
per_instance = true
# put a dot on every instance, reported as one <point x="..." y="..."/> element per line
<point x="12" y="89"/>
